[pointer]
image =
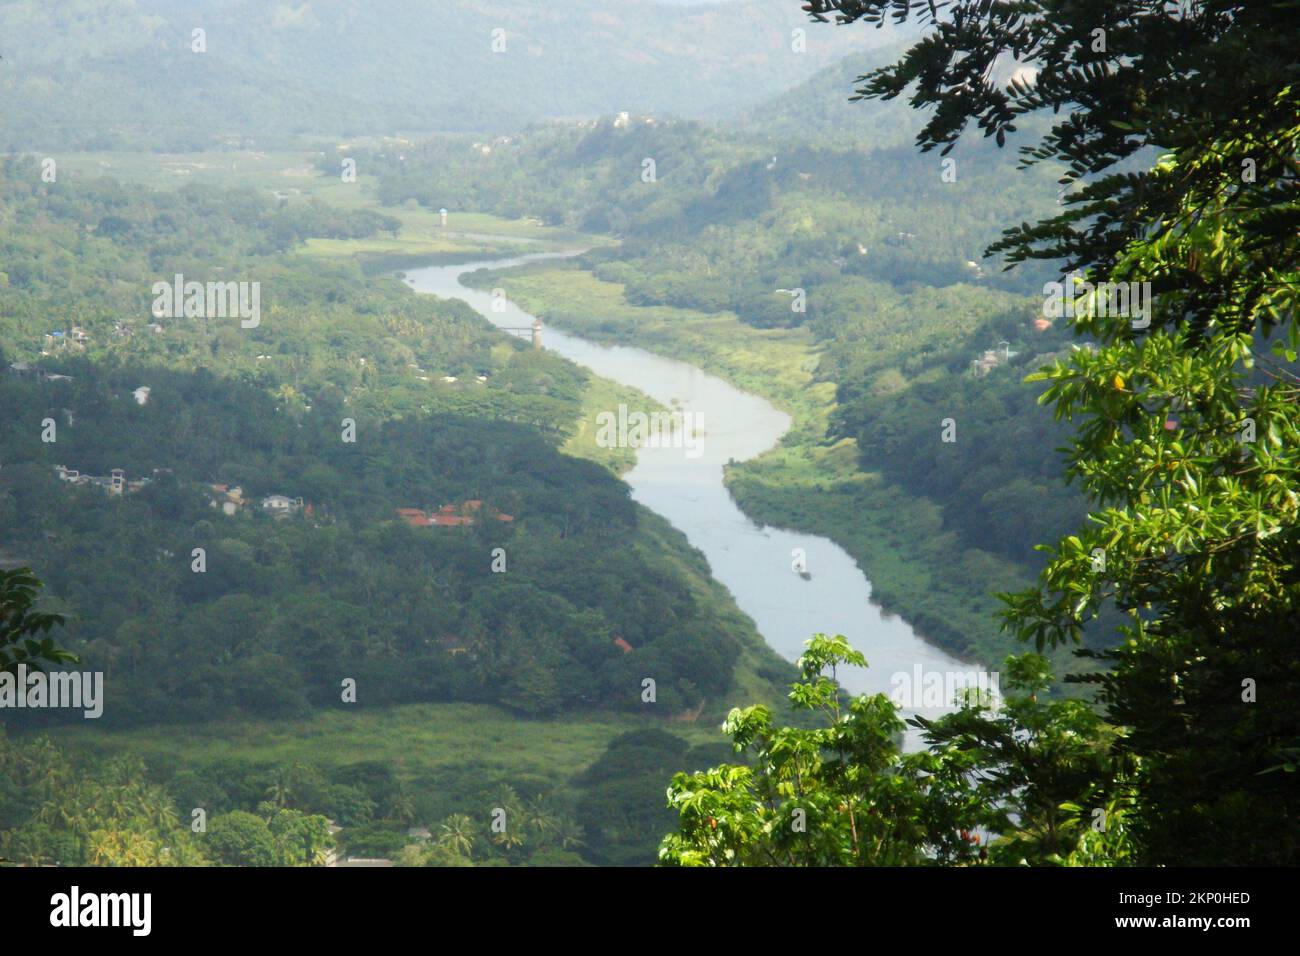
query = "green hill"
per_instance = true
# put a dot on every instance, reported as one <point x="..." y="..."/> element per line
<point x="98" y="74"/>
<point x="821" y="108"/>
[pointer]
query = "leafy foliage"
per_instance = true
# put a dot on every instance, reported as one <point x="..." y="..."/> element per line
<point x="21" y="623"/>
<point x="1000" y="782"/>
<point x="1186" y="426"/>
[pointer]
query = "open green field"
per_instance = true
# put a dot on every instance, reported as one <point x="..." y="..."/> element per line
<point x="294" y="177"/>
<point x="603" y="394"/>
<point x="417" y="739"/>
<point x="467" y="236"/>
<point x="291" y="172"/>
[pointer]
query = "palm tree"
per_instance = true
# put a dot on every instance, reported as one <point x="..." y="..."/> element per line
<point x="161" y="811"/>
<point x="61" y="810"/>
<point x="510" y="838"/>
<point x="280" y="791"/>
<point x="538" y="816"/>
<point x="322" y="855"/>
<point x="400" y="806"/>
<point x="99" y="848"/>
<point x="508" y="800"/>
<point x="42" y="766"/>
<point x="120" y="803"/>
<point x="456" y="833"/>
<point x="569" y="834"/>
<point x="512" y="834"/>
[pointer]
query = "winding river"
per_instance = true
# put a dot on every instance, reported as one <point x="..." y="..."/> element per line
<point x="754" y="562"/>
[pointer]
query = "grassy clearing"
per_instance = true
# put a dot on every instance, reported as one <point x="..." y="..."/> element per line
<point x="419" y="740"/>
<point x="293" y="176"/>
<point x="291" y="172"/>
<point x="409" y="249"/>
<point x="422" y="239"/>
<point x="602" y="395"/>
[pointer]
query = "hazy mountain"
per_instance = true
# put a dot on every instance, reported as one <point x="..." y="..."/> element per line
<point x="96" y="72"/>
<point x="820" y="108"/>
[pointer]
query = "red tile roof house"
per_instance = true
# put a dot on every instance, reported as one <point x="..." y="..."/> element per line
<point x="446" y="516"/>
<point x="450" y="521"/>
<point x="415" y="517"/>
<point x="474" y="505"/>
<point x="626" y="647"/>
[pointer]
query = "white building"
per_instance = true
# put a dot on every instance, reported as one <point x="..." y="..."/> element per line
<point x="281" y="506"/>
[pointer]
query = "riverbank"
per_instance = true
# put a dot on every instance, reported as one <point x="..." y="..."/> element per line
<point x="804" y="484"/>
<point x="807" y="484"/>
<point x="789" y="583"/>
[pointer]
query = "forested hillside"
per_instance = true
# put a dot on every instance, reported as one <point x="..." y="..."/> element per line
<point x="99" y="75"/>
<point x="353" y="398"/>
<point x="285" y="609"/>
<point x="872" y="249"/>
<point x="254" y="565"/>
<point x="1180" y="415"/>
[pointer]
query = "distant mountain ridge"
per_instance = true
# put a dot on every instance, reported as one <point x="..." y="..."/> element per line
<point x="99" y="73"/>
<point x="821" y="108"/>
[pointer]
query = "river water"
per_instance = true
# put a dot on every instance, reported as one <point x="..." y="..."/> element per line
<point x="685" y="486"/>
